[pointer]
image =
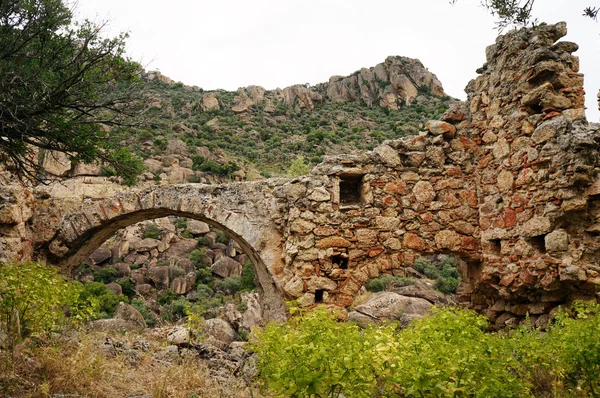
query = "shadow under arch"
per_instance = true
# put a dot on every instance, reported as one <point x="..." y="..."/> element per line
<point x="271" y="297"/>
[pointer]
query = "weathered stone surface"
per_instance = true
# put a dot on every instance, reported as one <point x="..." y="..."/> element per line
<point x="332" y="241"/>
<point x="220" y="330"/>
<point x="197" y="227"/>
<point x="101" y="255"/>
<point x="226" y="267"/>
<point x="160" y="276"/>
<point x="295" y="287"/>
<point x="179" y="336"/>
<point x="129" y="313"/>
<point x="447" y="239"/>
<point x="389" y="156"/>
<point x="557" y="241"/>
<point x="115" y="288"/>
<point x="145" y="245"/>
<point x="441" y="128"/>
<point x="413" y="241"/>
<point x="320" y="283"/>
<point x="536" y="226"/>
<point x="387" y="306"/>
<point x="424" y="191"/>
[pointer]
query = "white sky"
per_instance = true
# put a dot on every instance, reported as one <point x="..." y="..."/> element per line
<point x="276" y="43"/>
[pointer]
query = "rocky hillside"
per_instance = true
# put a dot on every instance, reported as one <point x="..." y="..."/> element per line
<point x="204" y="136"/>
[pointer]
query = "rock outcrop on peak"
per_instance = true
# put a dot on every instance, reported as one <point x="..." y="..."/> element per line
<point x="391" y="84"/>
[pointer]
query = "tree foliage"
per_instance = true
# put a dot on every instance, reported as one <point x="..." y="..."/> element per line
<point x="298" y="167"/>
<point x="519" y="12"/>
<point x="62" y="85"/>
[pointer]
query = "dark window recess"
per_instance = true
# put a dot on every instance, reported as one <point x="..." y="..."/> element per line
<point x="340" y="261"/>
<point x="319" y="296"/>
<point x="350" y="189"/>
<point x="539" y="243"/>
<point x="496" y="245"/>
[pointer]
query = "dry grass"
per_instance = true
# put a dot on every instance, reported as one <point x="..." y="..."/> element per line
<point x="79" y="366"/>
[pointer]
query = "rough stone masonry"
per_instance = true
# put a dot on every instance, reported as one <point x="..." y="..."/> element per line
<point x="508" y="182"/>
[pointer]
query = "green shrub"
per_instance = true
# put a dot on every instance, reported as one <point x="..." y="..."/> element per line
<point x="197" y="258"/>
<point x="204" y="276"/>
<point x="107" y="299"/>
<point x="247" y="279"/>
<point x="175" y="310"/>
<point x="106" y="275"/>
<point x="381" y="283"/>
<point x="448" y="353"/>
<point x="222" y="238"/>
<point x="181" y="223"/>
<point x="230" y="285"/>
<point x="204" y="291"/>
<point x="446" y="276"/>
<point x="314" y="355"/>
<point x="33" y="298"/>
<point x="298" y="167"/>
<point x="128" y="288"/>
<point x="144" y="310"/>
<point x="577" y="346"/>
<point x="167" y="297"/>
<point x="151" y="231"/>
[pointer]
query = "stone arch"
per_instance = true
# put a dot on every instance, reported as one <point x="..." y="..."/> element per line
<point x="247" y="221"/>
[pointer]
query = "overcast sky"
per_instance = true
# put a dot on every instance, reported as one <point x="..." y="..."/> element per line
<point x="276" y="43"/>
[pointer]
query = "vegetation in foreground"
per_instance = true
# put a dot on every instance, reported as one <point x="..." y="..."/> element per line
<point x="446" y="354"/>
<point x="78" y="364"/>
<point x="449" y="353"/>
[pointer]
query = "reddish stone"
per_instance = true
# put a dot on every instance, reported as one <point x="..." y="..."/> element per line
<point x="413" y="241"/>
<point x="484" y="224"/>
<point x="467" y="143"/>
<point x="426" y="217"/>
<point x="510" y="218"/>
<point x="469" y="197"/>
<point x="454" y="171"/>
<point x="344" y="300"/>
<point x="527" y="277"/>
<point x="325" y="231"/>
<point x="389" y="201"/>
<point x="507" y="280"/>
<point x="396" y="187"/>
<point x="333" y="241"/>
<point x="498" y="222"/>
<point x="375" y="251"/>
<point x="407" y="258"/>
<point x="469" y="243"/>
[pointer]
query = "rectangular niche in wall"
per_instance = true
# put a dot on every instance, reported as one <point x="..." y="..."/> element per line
<point x="351" y="187"/>
<point x="319" y="296"/>
<point x="340" y="260"/>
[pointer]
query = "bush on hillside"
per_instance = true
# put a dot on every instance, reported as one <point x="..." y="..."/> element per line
<point x="34" y="298"/>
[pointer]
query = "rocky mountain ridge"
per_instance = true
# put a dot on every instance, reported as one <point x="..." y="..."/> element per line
<point x="192" y="135"/>
<point x="391" y="84"/>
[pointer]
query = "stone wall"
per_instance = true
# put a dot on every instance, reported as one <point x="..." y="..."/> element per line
<point x="537" y="167"/>
<point x="413" y="197"/>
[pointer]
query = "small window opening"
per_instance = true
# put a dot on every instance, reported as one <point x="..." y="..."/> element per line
<point x="496" y="245"/>
<point x="350" y="189"/>
<point x="340" y="260"/>
<point x="539" y="242"/>
<point x="319" y="296"/>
